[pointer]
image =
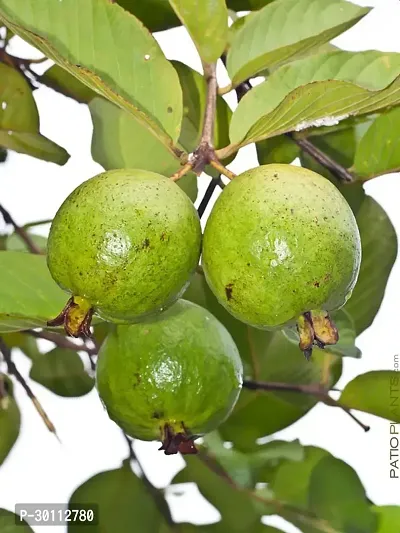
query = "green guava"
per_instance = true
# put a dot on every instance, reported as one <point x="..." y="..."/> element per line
<point x="282" y="245"/>
<point x="124" y="245"/>
<point x="172" y="378"/>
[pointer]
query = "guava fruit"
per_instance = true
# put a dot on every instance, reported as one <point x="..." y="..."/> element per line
<point x="282" y="246"/>
<point x="172" y="378"/>
<point x="124" y="245"/>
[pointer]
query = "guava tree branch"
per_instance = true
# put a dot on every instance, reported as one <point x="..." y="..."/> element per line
<point x="13" y="370"/>
<point x="313" y="389"/>
<point x="32" y="247"/>
<point x="208" y="194"/>
<point x="61" y="341"/>
<point x="307" y="146"/>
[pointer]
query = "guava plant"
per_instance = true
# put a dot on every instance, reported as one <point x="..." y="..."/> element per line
<point x="196" y="340"/>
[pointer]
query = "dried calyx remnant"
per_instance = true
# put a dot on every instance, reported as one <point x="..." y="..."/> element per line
<point x="181" y="442"/>
<point x="76" y="317"/>
<point x="316" y="328"/>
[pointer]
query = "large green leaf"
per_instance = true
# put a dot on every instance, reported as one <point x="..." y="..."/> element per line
<point x="28" y="295"/>
<point x="207" y="23"/>
<point x="194" y="88"/>
<point x="266" y="356"/>
<point x="14" y="242"/>
<point x="124" y="503"/>
<point x="286" y="29"/>
<point x="388" y="518"/>
<point x="62" y="372"/>
<point x="376" y="392"/>
<point x="62" y="81"/>
<point x="379" y="250"/>
<point x="8" y="523"/>
<point x="110" y="51"/>
<point x="19" y="119"/>
<point x="319" y="90"/>
<point x="280" y="149"/>
<point x="379" y="149"/>
<point x="120" y="141"/>
<point x="337" y="495"/>
<point x="10" y="421"/>
<point x="235" y="505"/>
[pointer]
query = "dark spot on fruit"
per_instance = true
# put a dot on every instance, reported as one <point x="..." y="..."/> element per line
<point x="327" y="277"/>
<point x="162" y="236"/>
<point x="158" y="415"/>
<point x="138" y="379"/>
<point x="169" y="109"/>
<point x="248" y="264"/>
<point x="316" y="284"/>
<point x="292" y="211"/>
<point x="81" y="273"/>
<point x="275" y="175"/>
<point x="146" y="243"/>
<point x="228" y="291"/>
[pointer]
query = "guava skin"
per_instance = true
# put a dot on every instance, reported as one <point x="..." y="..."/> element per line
<point x="280" y="241"/>
<point x="179" y="370"/>
<point x="127" y="241"/>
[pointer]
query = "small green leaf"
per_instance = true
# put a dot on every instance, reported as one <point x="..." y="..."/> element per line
<point x="124" y="503"/>
<point x="120" y="141"/>
<point x="207" y="24"/>
<point x="19" y="120"/>
<point x="379" y="251"/>
<point x="28" y="295"/>
<point x="279" y="149"/>
<point x="378" y="152"/>
<point x="320" y="90"/>
<point x="10" y="422"/>
<point x="336" y="494"/>
<point x="110" y="51"/>
<point x="16" y="244"/>
<point x="388" y="518"/>
<point x="156" y="15"/>
<point x="375" y="392"/>
<point x="63" y="82"/>
<point x="62" y="372"/>
<point x="194" y="88"/>
<point x="236" y="507"/>
<point x="26" y="343"/>
<point x="8" y="523"/>
<point x="286" y="29"/>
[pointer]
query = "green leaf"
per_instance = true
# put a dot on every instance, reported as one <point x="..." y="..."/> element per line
<point x="337" y="495"/>
<point x="375" y="392"/>
<point x="388" y="518"/>
<point x="207" y="24"/>
<point x="292" y="479"/>
<point x="110" y="51"/>
<point x="222" y="527"/>
<point x="62" y="372"/>
<point x="379" y="149"/>
<point x="124" y="503"/>
<point x="194" y="88"/>
<point x="10" y="422"/>
<point x="315" y="91"/>
<point x="14" y="242"/>
<point x="28" y="295"/>
<point x="347" y="335"/>
<point x="63" y="82"/>
<point x="259" y="414"/>
<point x="279" y="149"/>
<point x="156" y="15"/>
<point x="8" y="523"/>
<point x="286" y="29"/>
<point x="120" y="141"/>
<point x="235" y="505"/>
<point x="26" y="343"/>
<point x="244" y="5"/>
<point x="19" y="120"/>
<point x="379" y="250"/>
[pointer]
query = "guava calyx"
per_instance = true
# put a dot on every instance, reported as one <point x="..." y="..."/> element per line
<point x="173" y="442"/>
<point x="316" y="328"/>
<point x="76" y="317"/>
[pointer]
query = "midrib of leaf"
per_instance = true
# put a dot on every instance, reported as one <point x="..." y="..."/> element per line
<point x="93" y="81"/>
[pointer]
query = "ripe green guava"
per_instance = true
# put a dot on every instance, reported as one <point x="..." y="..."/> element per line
<point x="124" y="245"/>
<point x="172" y="378"/>
<point x="282" y="245"/>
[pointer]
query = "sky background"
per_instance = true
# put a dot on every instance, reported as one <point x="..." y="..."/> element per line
<point x="39" y="468"/>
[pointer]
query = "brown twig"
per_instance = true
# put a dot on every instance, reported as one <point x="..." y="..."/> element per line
<point x="223" y="170"/>
<point x="61" y="341"/>
<point x="313" y="389"/>
<point x="32" y="247"/>
<point x="13" y="370"/>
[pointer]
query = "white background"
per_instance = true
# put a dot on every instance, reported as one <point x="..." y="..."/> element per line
<point x="39" y="468"/>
